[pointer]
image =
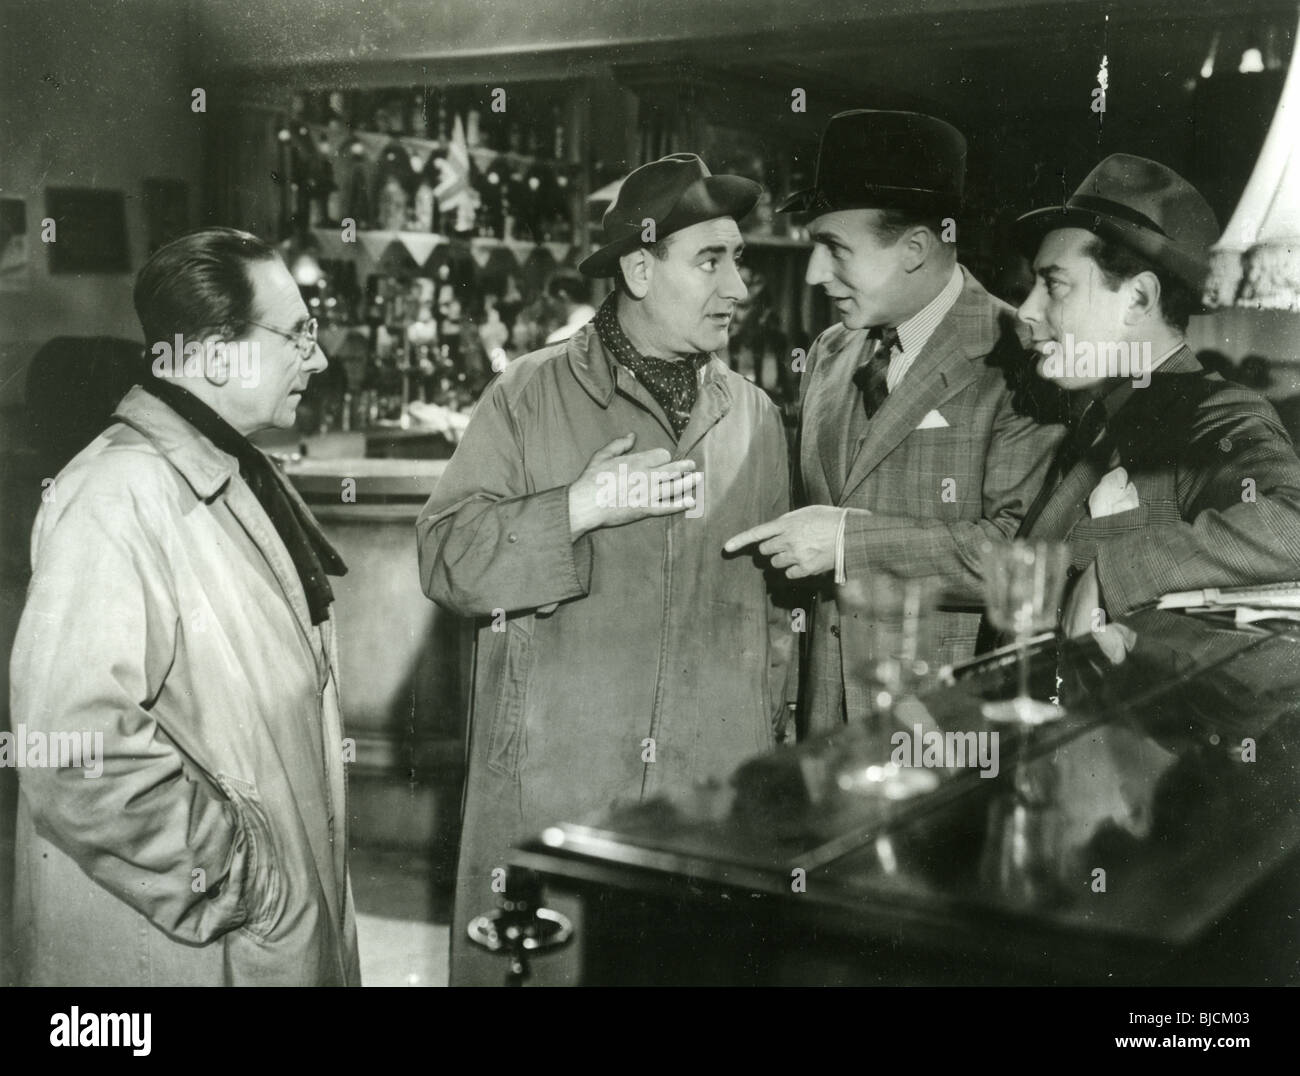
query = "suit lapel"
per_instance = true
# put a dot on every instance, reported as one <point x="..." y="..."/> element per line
<point x="940" y="372"/>
<point x="1068" y="503"/>
<point x="828" y="407"/>
<point x="1145" y="419"/>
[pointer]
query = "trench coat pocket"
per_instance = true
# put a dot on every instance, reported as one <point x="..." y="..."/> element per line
<point x="505" y="743"/>
<point x="263" y="886"/>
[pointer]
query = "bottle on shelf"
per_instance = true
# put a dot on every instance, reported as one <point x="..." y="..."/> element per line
<point x="336" y="112"/>
<point x="360" y="200"/>
<point x="443" y="131"/>
<point x="394" y="181"/>
<point x="562" y="219"/>
<point x="535" y="202"/>
<point x="494" y="334"/>
<point x="560" y="137"/>
<point x="424" y="207"/>
<point x="418" y="118"/>
<point x="390" y="206"/>
<point x="449" y="318"/>
<point x="490" y="185"/>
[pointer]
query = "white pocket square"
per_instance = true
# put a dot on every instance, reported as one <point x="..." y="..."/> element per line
<point x="1114" y="494"/>
<point x="933" y="421"/>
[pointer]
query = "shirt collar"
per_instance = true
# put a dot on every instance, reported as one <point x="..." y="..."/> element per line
<point x="916" y="330"/>
<point x="1124" y="388"/>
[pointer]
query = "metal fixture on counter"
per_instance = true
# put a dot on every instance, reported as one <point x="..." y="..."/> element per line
<point x="521" y="926"/>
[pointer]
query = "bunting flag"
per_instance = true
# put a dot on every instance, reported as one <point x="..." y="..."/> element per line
<point x="454" y="190"/>
<point x="375" y="243"/>
<point x="559" y="251"/>
<point x="419" y="245"/>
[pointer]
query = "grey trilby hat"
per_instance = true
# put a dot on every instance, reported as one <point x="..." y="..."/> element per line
<point x="1139" y="204"/>
<point x="675" y="192"/>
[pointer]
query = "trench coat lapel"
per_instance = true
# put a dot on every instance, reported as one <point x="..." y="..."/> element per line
<point x="248" y="511"/>
<point x="601" y="377"/>
<point x="211" y="473"/>
<point x="251" y="516"/>
<point x="713" y="403"/>
<point x="940" y="372"/>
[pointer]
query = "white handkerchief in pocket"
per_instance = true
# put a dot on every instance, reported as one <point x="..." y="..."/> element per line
<point x="933" y="421"/>
<point x="1114" y="494"/>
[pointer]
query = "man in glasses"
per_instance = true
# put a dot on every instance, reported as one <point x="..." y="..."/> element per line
<point x="181" y="809"/>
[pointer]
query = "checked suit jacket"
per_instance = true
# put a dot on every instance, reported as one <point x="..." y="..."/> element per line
<point x="1218" y="486"/>
<point x="924" y="501"/>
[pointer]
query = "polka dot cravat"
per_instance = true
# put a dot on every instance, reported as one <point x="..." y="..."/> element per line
<point x="673" y="383"/>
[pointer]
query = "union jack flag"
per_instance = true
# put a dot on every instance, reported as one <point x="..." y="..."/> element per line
<point x="454" y="190"/>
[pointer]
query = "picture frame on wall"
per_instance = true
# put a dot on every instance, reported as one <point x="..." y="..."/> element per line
<point x="90" y="230"/>
<point x="15" y="247"/>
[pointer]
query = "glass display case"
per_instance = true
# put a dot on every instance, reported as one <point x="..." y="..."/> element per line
<point x="1149" y="836"/>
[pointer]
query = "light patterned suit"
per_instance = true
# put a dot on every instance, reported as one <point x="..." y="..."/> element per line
<point x="934" y="495"/>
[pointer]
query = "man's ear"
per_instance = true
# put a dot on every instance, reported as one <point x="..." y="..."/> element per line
<point x="918" y="247"/>
<point x="637" y="271"/>
<point x="1144" y="297"/>
<point x="216" y="358"/>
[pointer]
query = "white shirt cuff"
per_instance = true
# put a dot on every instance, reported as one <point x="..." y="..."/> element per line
<point x="840" y="575"/>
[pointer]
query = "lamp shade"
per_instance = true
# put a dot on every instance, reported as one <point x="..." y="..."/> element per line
<point x="1256" y="263"/>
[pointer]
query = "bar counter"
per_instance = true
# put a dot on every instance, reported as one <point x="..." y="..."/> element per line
<point x="403" y="662"/>
<point x="1148" y="837"/>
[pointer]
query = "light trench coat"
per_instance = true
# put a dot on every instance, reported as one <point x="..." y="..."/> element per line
<point x="635" y="661"/>
<point x="164" y="614"/>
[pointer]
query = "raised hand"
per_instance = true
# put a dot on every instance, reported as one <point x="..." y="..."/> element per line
<point x="618" y="487"/>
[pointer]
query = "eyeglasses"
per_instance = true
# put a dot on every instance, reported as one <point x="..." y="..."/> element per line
<point x="304" y="339"/>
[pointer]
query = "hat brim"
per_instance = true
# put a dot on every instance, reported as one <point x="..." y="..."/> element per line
<point x="1164" y="253"/>
<point x="800" y="201"/>
<point x="811" y="200"/>
<point x="706" y="199"/>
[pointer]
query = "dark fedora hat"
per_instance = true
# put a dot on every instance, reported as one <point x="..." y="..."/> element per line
<point x="675" y="192"/>
<point x="871" y="159"/>
<point x="1139" y="204"/>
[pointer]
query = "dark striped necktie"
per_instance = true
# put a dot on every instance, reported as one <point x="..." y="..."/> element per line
<point x="871" y="376"/>
<point x="1086" y="427"/>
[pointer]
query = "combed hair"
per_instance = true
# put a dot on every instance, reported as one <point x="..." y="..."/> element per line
<point x="892" y="223"/>
<point x="198" y="285"/>
<point x="1118" y="263"/>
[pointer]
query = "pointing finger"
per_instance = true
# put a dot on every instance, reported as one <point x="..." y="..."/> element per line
<point x="760" y="533"/>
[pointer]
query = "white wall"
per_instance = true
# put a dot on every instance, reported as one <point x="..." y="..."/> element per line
<point x="91" y="95"/>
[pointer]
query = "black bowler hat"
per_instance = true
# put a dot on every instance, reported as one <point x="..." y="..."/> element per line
<point x="1141" y="205"/>
<point x="871" y="159"/>
<point x="675" y="192"/>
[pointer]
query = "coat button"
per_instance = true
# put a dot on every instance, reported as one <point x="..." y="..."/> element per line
<point x="512" y="537"/>
<point x="835" y="630"/>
